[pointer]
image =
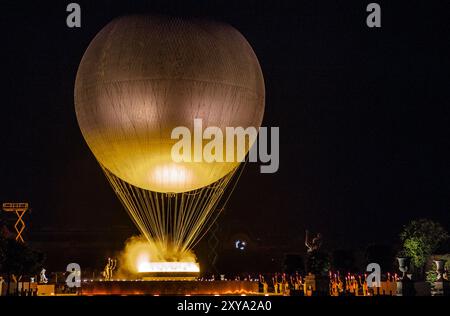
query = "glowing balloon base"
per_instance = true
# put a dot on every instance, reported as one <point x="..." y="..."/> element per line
<point x="168" y="267"/>
<point x="150" y="271"/>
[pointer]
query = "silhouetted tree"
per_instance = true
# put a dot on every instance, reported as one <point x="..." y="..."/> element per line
<point x="318" y="263"/>
<point x="384" y="255"/>
<point x="293" y="263"/>
<point x="344" y="261"/>
<point x="18" y="259"/>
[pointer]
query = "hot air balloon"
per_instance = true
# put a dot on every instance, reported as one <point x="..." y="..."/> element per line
<point x="139" y="78"/>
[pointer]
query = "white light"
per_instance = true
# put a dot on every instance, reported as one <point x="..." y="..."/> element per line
<point x="168" y="267"/>
<point x="171" y="174"/>
<point x="240" y="244"/>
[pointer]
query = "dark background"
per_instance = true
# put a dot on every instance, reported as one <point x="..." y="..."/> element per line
<point x="363" y="116"/>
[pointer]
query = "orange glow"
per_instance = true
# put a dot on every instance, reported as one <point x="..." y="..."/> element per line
<point x="143" y="256"/>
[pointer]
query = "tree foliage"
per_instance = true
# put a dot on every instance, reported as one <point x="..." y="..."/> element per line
<point x="420" y="239"/>
<point x="18" y="258"/>
<point x="318" y="263"/>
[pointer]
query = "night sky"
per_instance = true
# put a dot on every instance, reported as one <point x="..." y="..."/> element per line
<point x="363" y="114"/>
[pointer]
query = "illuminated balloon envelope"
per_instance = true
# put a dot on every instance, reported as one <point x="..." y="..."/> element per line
<point x="141" y="77"/>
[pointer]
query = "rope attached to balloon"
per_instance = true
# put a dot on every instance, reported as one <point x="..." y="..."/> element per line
<point x="175" y="221"/>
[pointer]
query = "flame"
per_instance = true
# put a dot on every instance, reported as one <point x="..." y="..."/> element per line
<point x="141" y="255"/>
<point x="146" y="266"/>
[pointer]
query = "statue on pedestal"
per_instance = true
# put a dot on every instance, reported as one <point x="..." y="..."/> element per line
<point x="405" y="286"/>
<point x="315" y="244"/>
<point x="316" y="261"/>
<point x="441" y="287"/>
<point x="316" y="266"/>
<point x="109" y="269"/>
<point x="43" y="277"/>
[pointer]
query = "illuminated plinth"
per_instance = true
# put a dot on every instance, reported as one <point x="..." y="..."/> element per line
<point x="150" y="271"/>
<point x="169" y="287"/>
